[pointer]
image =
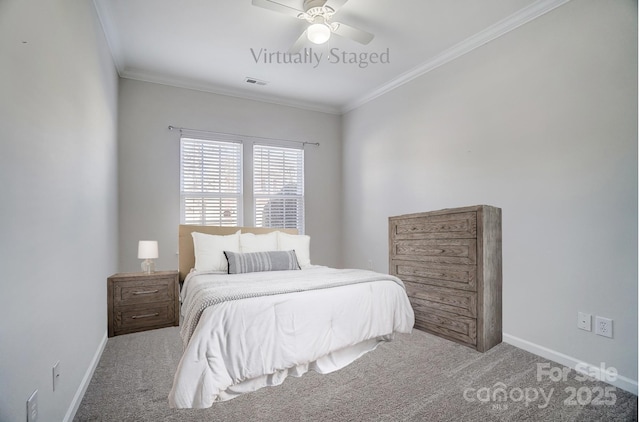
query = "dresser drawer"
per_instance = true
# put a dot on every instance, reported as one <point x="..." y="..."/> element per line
<point x="131" y="292"/>
<point x="140" y="317"/>
<point x="454" y="327"/>
<point x="446" y="251"/>
<point x="428" y="298"/>
<point x="447" y="226"/>
<point x="461" y="277"/>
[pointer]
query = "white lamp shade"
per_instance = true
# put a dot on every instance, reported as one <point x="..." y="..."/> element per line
<point x="318" y="33"/>
<point x="147" y="249"/>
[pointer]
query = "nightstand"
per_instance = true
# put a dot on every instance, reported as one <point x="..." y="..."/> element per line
<point x="139" y="301"/>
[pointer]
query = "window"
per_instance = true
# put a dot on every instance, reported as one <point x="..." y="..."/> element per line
<point x="210" y="182"/>
<point x="278" y="187"/>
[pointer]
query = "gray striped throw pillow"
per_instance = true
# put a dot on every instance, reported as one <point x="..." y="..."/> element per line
<point x="252" y="262"/>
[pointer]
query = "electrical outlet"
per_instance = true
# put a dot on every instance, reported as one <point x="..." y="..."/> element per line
<point x="604" y="327"/>
<point x="56" y="374"/>
<point x="369" y="264"/>
<point x="584" y="321"/>
<point x="32" y="407"/>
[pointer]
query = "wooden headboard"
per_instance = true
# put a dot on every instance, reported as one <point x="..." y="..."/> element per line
<point x="186" y="255"/>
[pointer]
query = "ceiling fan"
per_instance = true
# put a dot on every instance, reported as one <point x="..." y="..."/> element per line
<point x="318" y="13"/>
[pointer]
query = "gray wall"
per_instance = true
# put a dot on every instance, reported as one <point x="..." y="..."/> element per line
<point x="541" y="122"/>
<point x="149" y="163"/>
<point x="58" y="99"/>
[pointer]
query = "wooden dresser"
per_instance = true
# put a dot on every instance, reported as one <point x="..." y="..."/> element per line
<point x="139" y="301"/>
<point x="451" y="264"/>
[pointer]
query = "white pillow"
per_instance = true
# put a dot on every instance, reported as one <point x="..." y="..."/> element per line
<point x="209" y="250"/>
<point x="299" y="243"/>
<point x="250" y="242"/>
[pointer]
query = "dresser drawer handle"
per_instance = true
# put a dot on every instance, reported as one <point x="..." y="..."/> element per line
<point x="148" y="292"/>
<point x="144" y="316"/>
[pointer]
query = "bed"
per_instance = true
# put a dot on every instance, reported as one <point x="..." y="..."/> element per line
<point x="262" y="323"/>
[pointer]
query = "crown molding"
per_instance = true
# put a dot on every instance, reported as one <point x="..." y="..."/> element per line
<point x="145" y="76"/>
<point x="110" y="35"/>
<point x="492" y="32"/>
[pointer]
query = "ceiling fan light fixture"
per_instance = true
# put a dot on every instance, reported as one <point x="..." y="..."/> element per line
<point x="318" y="33"/>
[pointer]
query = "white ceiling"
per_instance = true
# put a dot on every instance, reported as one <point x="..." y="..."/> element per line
<point x="210" y="45"/>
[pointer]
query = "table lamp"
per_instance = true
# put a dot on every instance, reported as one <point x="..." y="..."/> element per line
<point x="148" y="250"/>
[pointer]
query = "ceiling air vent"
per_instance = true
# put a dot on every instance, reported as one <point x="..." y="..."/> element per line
<point x="254" y="81"/>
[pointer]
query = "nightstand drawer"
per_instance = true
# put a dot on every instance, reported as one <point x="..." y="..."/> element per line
<point x="130" y="292"/>
<point x="136" y="318"/>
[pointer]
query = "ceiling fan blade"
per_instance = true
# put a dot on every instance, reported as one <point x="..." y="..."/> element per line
<point x="335" y="4"/>
<point x="277" y="7"/>
<point x="297" y="46"/>
<point x="363" y="37"/>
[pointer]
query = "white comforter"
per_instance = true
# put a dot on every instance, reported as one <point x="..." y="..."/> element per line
<point x="242" y="345"/>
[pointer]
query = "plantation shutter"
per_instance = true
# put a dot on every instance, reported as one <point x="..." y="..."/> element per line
<point x="210" y="182"/>
<point x="278" y="187"/>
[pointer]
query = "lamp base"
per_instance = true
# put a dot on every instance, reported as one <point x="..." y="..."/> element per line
<point x="148" y="266"/>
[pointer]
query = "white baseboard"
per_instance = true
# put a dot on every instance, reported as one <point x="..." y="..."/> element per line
<point x="620" y="381"/>
<point x="77" y="399"/>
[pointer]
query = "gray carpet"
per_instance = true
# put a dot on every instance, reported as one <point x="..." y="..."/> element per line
<point x="417" y="377"/>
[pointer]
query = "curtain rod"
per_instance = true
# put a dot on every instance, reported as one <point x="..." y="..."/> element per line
<point x="181" y="129"/>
